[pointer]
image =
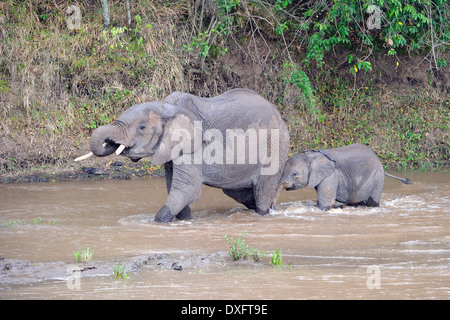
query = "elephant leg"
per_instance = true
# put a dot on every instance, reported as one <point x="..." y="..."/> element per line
<point x="185" y="213"/>
<point x="371" y="191"/>
<point x="185" y="188"/>
<point x="372" y="203"/>
<point x="265" y="190"/>
<point x="244" y="196"/>
<point x="326" y="194"/>
<point x="375" y="197"/>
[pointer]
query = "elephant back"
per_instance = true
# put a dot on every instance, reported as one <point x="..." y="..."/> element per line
<point x="358" y="164"/>
<point x="236" y="108"/>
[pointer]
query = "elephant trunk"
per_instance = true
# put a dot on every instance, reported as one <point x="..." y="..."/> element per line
<point x="104" y="141"/>
<point x="281" y="187"/>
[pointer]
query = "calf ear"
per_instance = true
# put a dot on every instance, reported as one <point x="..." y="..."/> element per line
<point x="177" y="139"/>
<point x="320" y="168"/>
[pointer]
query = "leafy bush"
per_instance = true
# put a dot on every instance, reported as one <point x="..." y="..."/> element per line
<point x="239" y="249"/>
<point x="79" y="79"/>
<point x="361" y="26"/>
<point x="364" y="26"/>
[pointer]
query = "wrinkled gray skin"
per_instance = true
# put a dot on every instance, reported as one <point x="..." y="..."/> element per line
<point x="352" y="175"/>
<point x="146" y="131"/>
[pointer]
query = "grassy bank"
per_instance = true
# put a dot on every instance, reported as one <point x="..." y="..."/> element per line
<point x="58" y="84"/>
<point x="409" y="131"/>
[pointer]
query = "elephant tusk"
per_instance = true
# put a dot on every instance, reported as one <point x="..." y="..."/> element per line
<point x="90" y="154"/>
<point x="120" y="149"/>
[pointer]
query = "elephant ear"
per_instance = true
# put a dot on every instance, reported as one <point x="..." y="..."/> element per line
<point x="177" y="139"/>
<point x="320" y="168"/>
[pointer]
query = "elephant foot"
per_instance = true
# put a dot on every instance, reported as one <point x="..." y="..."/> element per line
<point x="322" y="207"/>
<point x="164" y="215"/>
<point x="184" y="214"/>
<point x="372" y="203"/>
<point x="262" y="212"/>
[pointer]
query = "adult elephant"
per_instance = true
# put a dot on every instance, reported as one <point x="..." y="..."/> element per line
<point x="351" y="174"/>
<point x="236" y="141"/>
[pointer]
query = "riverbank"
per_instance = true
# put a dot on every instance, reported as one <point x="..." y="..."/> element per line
<point x="408" y="131"/>
<point x="58" y="84"/>
<point x="95" y="169"/>
<point x="124" y="169"/>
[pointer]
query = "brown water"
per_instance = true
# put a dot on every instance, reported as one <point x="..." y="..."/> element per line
<point x="400" y="250"/>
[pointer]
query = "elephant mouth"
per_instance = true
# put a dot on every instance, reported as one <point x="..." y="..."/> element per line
<point x="119" y="148"/>
<point x="108" y="147"/>
<point x="294" y="186"/>
<point x="122" y="150"/>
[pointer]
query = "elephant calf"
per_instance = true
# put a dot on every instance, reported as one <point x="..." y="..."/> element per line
<point x="352" y="175"/>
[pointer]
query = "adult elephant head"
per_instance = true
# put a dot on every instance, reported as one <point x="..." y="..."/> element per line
<point x="236" y="141"/>
<point x="139" y="133"/>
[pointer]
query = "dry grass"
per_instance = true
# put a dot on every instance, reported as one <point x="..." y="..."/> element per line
<point x="60" y="84"/>
<point x="57" y="85"/>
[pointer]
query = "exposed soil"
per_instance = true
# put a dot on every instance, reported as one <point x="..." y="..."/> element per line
<point x="88" y="170"/>
<point x="20" y="272"/>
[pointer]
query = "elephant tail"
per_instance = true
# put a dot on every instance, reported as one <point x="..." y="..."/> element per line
<point x="404" y="180"/>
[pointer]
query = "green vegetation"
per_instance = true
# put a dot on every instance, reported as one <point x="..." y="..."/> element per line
<point x="369" y="71"/>
<point x="277" y="258"/>
<point x="407" y="132"/>
<point x="367" y="26"/>
<point x="239" y="249"/>
<point x="119" y="271"/>
<point x="34" y="221"/>
<point x="83" y="255"/>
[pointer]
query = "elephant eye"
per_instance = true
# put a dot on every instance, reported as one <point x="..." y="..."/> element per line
<point x="295" y="173"/>
<point x="142" y="127"/>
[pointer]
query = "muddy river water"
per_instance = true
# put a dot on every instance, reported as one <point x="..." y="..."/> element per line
<point x="400" y="250"/>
